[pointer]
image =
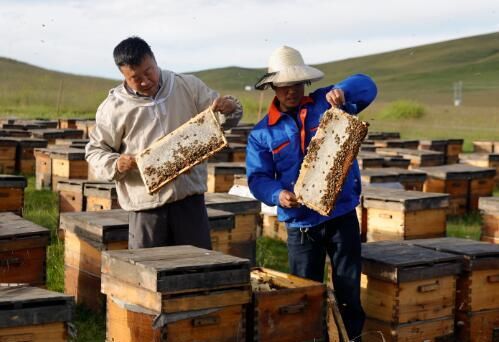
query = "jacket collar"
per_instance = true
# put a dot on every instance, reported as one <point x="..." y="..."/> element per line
<point x="275" y="114"/>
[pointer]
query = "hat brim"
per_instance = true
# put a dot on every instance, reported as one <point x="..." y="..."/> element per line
<point x="290" y="75"/>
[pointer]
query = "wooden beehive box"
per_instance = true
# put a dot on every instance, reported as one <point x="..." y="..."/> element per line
<point x="14" y="133"/>
<point x="489" y="207"/>
<point x="439" y="145"/>
<point x="12" y="193"/>
<point x="25" y="155"/>
<point x="101" y="196"/>
<point x="221" y="175"/>
<point x="464" y="184"/>
<point x="477" y="295"/>
<point x="383" y="135"/>
<point x="401" y="215"/>
<point x="71" y="195"/>
<point x="43" y="169"/>
<point x="85" y="126"/>
<point x="180" y="150"/>
<point x="408" y="287"/>
<point x="235" y="138"/>
<point x="329" y="156"/>
<point x="7" y="155"/>
<point x="68" y="123"/>
<point x="409" y="179"/>
<point x="131" y="323"/>
<point x="272" y="228"/>
<point x="34" y="314"/>
<point x="23" y="247"/>
<point x="487" y="160"/>
<point x="74" y="143"/>
<point x="51" y="134"/>
<point x="396" y="161"/>
<point x="454" y="148"/>
<point x="418" y="158"/>
<point x="175" y="278"/>
<point x="397" y="143"/>
<point x="285" y="308"/>
<point x="86" y="235"/>
<point x="486" y="146"/>
<point x="233" y="152"/>
<point x="68" y="163"/>
<point x="240" y="241"/>
<point x="369" y="160"/>
<point x="378" y="175"/>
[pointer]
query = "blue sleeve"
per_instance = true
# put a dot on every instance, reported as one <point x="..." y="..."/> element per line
<point x="261" y="173"/>
<point x="360" y="90"/>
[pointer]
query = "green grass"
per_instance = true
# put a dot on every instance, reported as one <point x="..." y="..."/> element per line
<point x="403" y="109"/>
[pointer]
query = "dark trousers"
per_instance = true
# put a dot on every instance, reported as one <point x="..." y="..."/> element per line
<point x="183" y="222"/>
<point x="340" y="239"/>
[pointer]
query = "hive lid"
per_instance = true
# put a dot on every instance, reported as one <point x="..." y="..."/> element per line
<point x="220" y="220"/>
<point x="175" y="268"/>
<point x="227" y="168"/>
<point x="97" y="227"/>
<point x="232" y="203"/>
<point x="458" y="171"/>
<point x="407" y="200"/>
<point x="25" y="306"/>
<point x="15" y="227"/>
<point x="100" y="189"/>
<point x="13" y="181"/>
<point x="400" y="262"/>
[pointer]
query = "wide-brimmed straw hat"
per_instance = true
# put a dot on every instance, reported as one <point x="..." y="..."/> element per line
<point x="286" y="67"/>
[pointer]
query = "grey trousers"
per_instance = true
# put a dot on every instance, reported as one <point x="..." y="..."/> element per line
<point x="183" y="222"/>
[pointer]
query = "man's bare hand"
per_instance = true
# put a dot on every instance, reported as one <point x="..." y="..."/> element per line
<point x="125" y="163"/>
<point x="224" y="105"/>
<point x="336" y="97"/>
<point x="287" y="199"/>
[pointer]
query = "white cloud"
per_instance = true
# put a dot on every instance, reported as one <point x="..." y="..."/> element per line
<point x="78" y="36"/>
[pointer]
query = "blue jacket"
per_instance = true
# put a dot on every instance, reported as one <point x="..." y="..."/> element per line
<point x="277" y="145"/>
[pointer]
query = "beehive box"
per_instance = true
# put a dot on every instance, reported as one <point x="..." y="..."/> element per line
<point x="489" y="207"/>
<point x="43" y="169"/>
<point x="73" y="143"/>
<point x="397" y="143"/>
<point x="464" y="184"/>
<point x="418" y="158"/>
<point x="131" y="323"/>
<point x="396" y="161"/>
<point x="100" y="196"/>
<point x="240" y="241"/>
<point x="233" y="152"/>
<point x="23" y="247"/>
<point x="7" y="156"/>
<point x="51" y="134"/>
<point x="235" y="138"/>
<point x="86" y="235"/>
<point x="68" y="163"/>
<point x="486" y="146"/>
<point x="434" y="330"/>
<point x="221" y="175"/>
<point x="14" y="133"/>
<point x="71" y="195"/>
<point x="329" y="157"/>
<point x="454" y="148"/>
<point x="25" y="155"/>
<point x="401" y="215"/>
<point x="439" y="145"/>
<point x="378" y="175"/>
<point x="286" y="308"/>
<point x="487" y="160"/>
<point x="409" y="179"/>
<point x="85" y="126"/>
<point x="175" y="278"/>
<point x="407" y="288"/>
<point x="12" y="193"/>
<point x="383" y="135"/>
<point x="368" y="160"/>
<point x="68" y="123"/>
<point x="272" y="228"/>
<point x="34" y="314"/>
<point x="477" y="295"/>
<point x="180" y="150"/>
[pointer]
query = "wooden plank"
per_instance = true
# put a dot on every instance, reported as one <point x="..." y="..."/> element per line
<point x="329" y="156"/>
<point x="53" y="332"/>
<point x="477" y="326"/>
<point x="180" y="150"/>
<point x="395" y="199"/>
<point x="232" y="203"/>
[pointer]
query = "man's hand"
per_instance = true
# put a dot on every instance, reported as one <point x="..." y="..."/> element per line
<point x="336" y="97"/>
<point x="287" y="199"/>
<point x="224" y="105"/>
<point x="125" y="163"/>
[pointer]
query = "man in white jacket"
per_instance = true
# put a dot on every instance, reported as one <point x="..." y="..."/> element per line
<point x="149" y="104"/>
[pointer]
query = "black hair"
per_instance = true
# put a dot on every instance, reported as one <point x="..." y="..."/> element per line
<point x="131" y="51"/>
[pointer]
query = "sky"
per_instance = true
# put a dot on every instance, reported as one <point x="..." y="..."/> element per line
<point x="190" y="35"/>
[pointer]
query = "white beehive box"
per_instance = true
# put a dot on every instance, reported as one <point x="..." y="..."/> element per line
<point x="179" y="151"/>
<point x="329" y="157"/>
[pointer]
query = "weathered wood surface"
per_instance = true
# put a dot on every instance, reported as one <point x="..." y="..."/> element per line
<point x="458" y="171"/>
<point x="328" y="159"/>
<point x="486" y="146"/>
<point x="480" y="326"/>
<point x="369" y="160"/>
<point x="15" y="227"/>
<point x="175" y="268"/>
<point x="55" y="133"/>
<point x="220" y="220"/>
<point x="403" y="200"/>
<point x="100" y="189"/>
<point x="23" y="306"/>
<point x="402" y="262"/>
<point x="232" y="203"/>
<point x="97" y="227"/>
<point x="294" y="310"/>
<point x="180" y="150"/>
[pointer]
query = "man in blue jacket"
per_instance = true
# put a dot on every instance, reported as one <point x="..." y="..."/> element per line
<point x="275" y="151"/>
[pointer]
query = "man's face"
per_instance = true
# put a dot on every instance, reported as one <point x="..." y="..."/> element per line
<point x="289" y="96"/>
<point x="143" y="78"/>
